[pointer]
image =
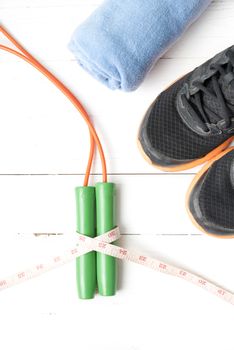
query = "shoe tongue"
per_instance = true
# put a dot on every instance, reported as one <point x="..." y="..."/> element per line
<point x="228" y="91"/>
<point x="213" y="104"/>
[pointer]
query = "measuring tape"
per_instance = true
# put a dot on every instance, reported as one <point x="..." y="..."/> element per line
<point x="84" y="244"/>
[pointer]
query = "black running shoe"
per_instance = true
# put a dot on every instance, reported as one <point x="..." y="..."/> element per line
<point x="210" y="198"/>
<point x="193" y="120"/>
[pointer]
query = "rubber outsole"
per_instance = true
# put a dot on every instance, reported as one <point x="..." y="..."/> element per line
<point x="193" y="184"/>
<point x="188" y="165"/>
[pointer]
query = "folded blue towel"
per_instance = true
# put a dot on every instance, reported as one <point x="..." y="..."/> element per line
<point x="121" y="41"/>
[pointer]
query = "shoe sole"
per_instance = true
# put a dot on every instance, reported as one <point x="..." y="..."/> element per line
<point x="193" y="184"/>
<point x="188" y="165"/>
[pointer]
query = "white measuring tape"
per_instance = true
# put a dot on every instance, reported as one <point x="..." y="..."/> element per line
<point x="85" y="244"/>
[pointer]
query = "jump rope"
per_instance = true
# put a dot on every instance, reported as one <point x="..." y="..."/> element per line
<point x="96" y="226"/>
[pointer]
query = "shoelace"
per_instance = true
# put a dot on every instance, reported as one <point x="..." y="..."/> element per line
<point x="212" y="88"/>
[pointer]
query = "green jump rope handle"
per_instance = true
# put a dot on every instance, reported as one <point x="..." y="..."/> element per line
<point x="106" y="265"/>
<point x="86" y="224"/>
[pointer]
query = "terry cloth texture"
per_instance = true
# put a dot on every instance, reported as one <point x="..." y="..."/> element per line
<point x="121" y="41"/>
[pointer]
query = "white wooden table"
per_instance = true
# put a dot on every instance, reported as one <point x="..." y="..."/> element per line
<point x="43" y="152"/>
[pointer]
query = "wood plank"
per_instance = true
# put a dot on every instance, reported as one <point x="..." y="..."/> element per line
<point x="52" y="137"/>
<point x="41" y="133"/>
<point x="150" y="309"/>
<point x="149" y="204"/>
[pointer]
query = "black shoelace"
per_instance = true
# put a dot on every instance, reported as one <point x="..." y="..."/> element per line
<point x="212" y="87"/>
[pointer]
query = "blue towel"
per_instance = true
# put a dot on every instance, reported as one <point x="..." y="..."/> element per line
<point x="121" y="41"/>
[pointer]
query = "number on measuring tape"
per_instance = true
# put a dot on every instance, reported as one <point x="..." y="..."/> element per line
<point x="142" y="258"/>
<point x="39" y="267"/>
<point x="102" y="245"/>
<point x="221" y="292"/>
<point x="162" y="266"/>
<point x="123" y="251"/>
<point x="57" y="259"/>
<point x="202" y="282"/>
<point x="183" y="273"/>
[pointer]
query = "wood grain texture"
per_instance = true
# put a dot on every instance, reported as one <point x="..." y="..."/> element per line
<point x="150" y="309"/>
<point x="146" y="204"/>
<point x="43" y="151"/>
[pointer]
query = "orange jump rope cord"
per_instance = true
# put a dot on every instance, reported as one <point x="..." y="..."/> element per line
<point x="26" y="56"/>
